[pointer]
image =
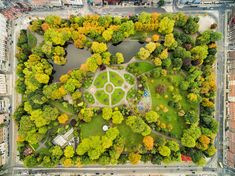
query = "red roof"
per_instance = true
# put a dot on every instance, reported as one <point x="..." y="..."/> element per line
<point x="186" y="158"/>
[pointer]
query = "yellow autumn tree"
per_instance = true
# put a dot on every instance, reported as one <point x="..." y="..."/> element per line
<point x="134" y="158"/>
<point x="148" y="142"/>
<point x="67" y="162"/>
<point x="155" y="38"/>
<point x="63" y="118"/>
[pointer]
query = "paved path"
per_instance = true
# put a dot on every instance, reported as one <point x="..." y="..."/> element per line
<point x="125" y="87"/>
<point x="166" y="137"/>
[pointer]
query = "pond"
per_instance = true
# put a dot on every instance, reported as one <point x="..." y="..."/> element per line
<point x="127" y="48"/>
<point x="75" y="57"/>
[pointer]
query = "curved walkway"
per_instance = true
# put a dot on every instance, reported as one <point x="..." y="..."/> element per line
<point x="166" y="136"/>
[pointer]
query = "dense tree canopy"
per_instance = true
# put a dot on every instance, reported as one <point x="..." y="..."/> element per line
<point x="168" y="102"/>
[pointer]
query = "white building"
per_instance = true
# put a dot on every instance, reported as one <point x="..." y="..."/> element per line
<point x="73" y="2"/>
<point x="4" y="118"/>
<point x="55" y="3"/>
<point x="3" y="84"/>
<point x="4" y="104"/>
<point x="3" y="43"/>
<point x="63" y="140"/>
<point x="45" y="3"/>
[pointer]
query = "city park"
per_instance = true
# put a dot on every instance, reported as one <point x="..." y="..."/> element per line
<point x="155" y="105"/>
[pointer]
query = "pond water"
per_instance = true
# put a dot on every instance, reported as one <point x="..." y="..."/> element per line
<point x="127" y="48"/>
<point x="75" y="57"/>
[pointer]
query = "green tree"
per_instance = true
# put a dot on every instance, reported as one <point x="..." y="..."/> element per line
<point x="180" y="19"/>
<point x="170" y="41"/>
<point x="107" y="113"/>
<point x="107" y="34"/>
<point x="208" y="36"/>
<point x="35" y="25"/>
<point x="191" y="117"/>
<point x="192" y="97"/>
<point x="188" y="141"/>
<point x="177" y="63"/>
<point x="53" y="20"/>
<point x="184" y="85"/>
<point x="151" y="116"/>
<point x="181" y="52"/>
<point x="92" y="64"/>
<point x="166" y="26"/>
<point x="56" y="152"/>
<point x="173" y="146"/>
<point x="57" y="37"/>
<point x="138" y="125"/>
<point x="112" y="133"/>
<point x="199" y="52"/>
<point x="120" y="58"/>
<point x="134" y="158"/>
<point x="127" y="28"/>
<point x="151" y="47"/>
<point x="191" y="26"/>
<point x="117" y="117"/>
<point x="143" y="53"/>
<point x="164" y="150"/>
<point x="144" y="17"/>
<point x="211" y="150"/>
<point x="30" y="161"/>
<point x="86" y="114"/>
<point x="69" y="151"/>
<point x="118" y="37"/>
<point x="98" y="47"/>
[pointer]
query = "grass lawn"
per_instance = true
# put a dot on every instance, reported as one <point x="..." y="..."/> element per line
<point x="93" y="128"/>
<point x="130" y="79"/>
<point x="32" y="40"/>
<point x="89" y="98"/>
<point x="131" y="139"/>
<point x="102" y="97"/>
<point x="170" y="117"/>
<point x="117" y="96"/>
<point x="66" y="108"/>
<point x="141" y="67"/>
<point x="116" y="79"/>
<point x="100" y="80"/>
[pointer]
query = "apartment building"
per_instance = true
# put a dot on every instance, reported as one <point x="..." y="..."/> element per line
<point x="3" y="139"/>
<point x="230" y="94"/>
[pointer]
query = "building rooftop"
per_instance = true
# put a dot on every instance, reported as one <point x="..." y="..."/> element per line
<point x="72" y="2"/>
<point x="1" y="135"/>
<point x="231" y="110"/>
<point x="62" y="140"/>
<point x="37" y="3"/>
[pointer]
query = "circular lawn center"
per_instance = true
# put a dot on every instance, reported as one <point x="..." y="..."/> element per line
<point x="109" y="88"/>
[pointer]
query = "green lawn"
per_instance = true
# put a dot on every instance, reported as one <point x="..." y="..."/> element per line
<point x="32" y="40"/>
<point x="131" y="139"/>
<point x="116" y="79"/>
<point x="140" y="67"/>
<point x="100" y="80"/>
<point x="129" y="78"/>
<point x="93" y="128"/>
<point x="102" y="97"/>
<point x="63" y="107"/>
<point x="89" y="98"/>
<point x="117" y="96"/>
<point x="170" y="117"/>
